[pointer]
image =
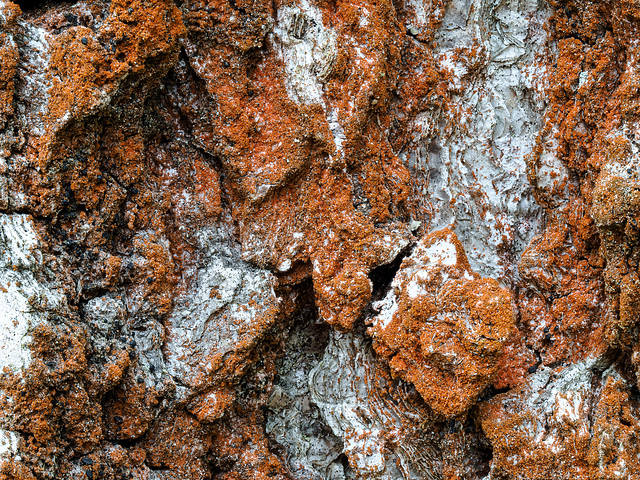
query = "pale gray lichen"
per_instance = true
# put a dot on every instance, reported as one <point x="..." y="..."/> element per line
<point x="24" y="300"/>
<point x="308" y="49"/>
<point x="294" y="420"/>
<point x="470" y="160"/>
<point x="344" y="388"/>
<point x="231" y="305"/>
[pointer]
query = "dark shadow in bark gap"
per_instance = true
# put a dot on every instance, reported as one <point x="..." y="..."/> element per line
<point x="26" y="5"/>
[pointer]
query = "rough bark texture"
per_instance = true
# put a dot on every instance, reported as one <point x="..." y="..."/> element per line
<point x="320" y="239"/>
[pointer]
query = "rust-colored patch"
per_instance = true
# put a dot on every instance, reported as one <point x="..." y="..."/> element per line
<point x="447" y="326"/>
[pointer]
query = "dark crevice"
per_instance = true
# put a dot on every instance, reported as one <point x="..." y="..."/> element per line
<point x="219" y="465"/>
<point x="130" y="443"/>
<point x="491" y="392"/>
<point x="634" y="392"/>
<point x="485" y="456"/>
<point x="344" y="460"/>
<point x="26" y="5"/>
<point x="534" y="368"/>
<point x="304" y="347"/>
<point x="157" y="469"/>
<point x="382" y="276"/>
<point x="236" y="7"/>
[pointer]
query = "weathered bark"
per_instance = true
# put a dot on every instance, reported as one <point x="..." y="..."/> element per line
<point x="319" y="239"/>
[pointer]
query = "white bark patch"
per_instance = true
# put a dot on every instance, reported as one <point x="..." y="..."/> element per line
<point x="32" y="88"/>
<point x="232" y="304"/>
<point x="344" y="389"/>
<point x="21" y="295"/>
<point x="308" y="49"/>
<point x="472" y="158"/>
<point x="19" y="259"/>
<point x="8" y="443"/>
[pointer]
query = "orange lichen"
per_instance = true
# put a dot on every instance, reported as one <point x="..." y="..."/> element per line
<point x="166" y="119"/>
<point x="449" y="327"/>
<point x="581" y="260"/>
<point x="554" y="441"/>
<point x="8" y="61"/>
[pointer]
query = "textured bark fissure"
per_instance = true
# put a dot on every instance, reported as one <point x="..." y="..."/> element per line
<point x="381" y="240"/>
